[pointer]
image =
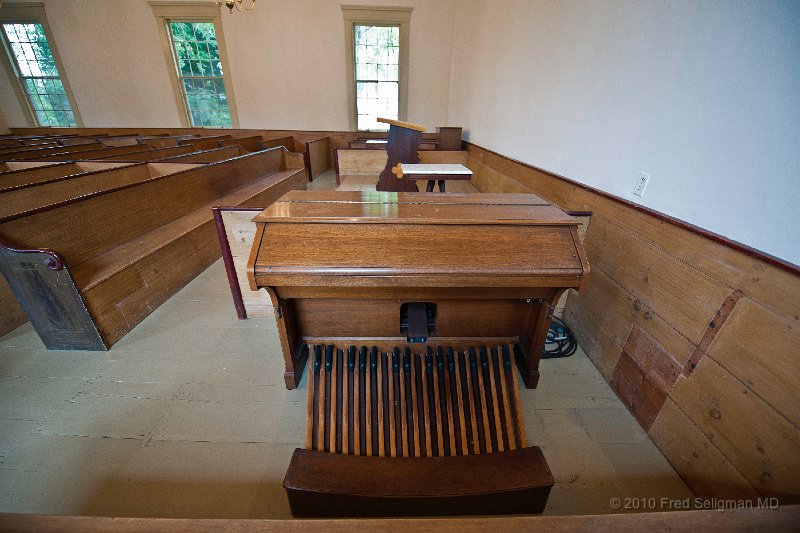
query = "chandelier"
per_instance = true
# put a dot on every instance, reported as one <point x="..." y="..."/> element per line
<point x="230" y="4"/>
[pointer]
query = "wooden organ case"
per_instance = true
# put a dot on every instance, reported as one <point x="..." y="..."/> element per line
<point x="413" y="311"/>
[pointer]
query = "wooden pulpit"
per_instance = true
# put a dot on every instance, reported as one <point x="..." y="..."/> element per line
<point x="404" y="141"/>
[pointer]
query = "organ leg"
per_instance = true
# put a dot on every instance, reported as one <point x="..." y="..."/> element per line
<point x="294" y="350"/>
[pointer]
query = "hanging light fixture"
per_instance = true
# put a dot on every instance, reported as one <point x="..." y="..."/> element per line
<point x="230" y="4"/>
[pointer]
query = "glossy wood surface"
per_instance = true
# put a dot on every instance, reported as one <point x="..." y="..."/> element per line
<point x="335" y="485"/>
<point x="343" y="263"/>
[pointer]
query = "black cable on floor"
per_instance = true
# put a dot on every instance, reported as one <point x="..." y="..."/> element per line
<point x="560" y="341"/>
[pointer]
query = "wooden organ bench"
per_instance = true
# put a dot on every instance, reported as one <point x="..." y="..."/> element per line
<point x="415" y="312"/>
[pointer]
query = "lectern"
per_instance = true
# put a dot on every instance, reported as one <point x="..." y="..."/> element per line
<point x="404" y="140"/>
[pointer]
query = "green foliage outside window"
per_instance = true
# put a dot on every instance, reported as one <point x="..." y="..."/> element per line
<point x="38" y="74"/>
<point x="200" y="73"/>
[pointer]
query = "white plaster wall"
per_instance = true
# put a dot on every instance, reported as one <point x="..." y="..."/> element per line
<point x="703" y="95"/>
<point x="287" y="63"/>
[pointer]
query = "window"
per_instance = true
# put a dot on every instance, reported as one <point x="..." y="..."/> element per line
<point x="194" y="45"/>
<point x="377" y="67"/>
<point x="33" y="61"/>
<point x="195" y="53"/>
<point x="377" y="58"/>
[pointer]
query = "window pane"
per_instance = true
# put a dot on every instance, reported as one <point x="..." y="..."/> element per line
<point x="200" y="72"/>
<point x="377" y="55"/>
<point x="38" y="74"/>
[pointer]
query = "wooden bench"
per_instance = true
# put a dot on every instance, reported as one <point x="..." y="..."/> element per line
<point x="286" y="142"/>
<point x="88" y="269"/>
<point x="36" y="196"/>
<point x="7" y="167"/>
<point x="41" y="172"/>
<point x="205" y="143"/>
<point x="21" y="152"/>
<point x="207" y="156"/>
<point x="88" y="154"/>
<point x="250" y="144"/>
<point x="357" y="161"/>
<point x="153" y="154"/>
<point x="318" y="155"/>
<point x="69" y="141"/>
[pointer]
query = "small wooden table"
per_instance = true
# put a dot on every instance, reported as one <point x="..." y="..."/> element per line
<point x="440" y="172"/>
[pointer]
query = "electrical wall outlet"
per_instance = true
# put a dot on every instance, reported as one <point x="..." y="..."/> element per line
<point x="641" y="183"/>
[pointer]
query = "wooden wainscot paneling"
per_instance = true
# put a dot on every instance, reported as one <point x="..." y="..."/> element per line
<point x="622" y="311"/>
<point x="772" y="286"/>
<point x="676" y="291"/>
<point x="362" y="161"/>
<point x="762" y="349"/>
<point x="699" y="336"/>
<point x="602" y="348"/>
<point x="700" y="464"/>
<point x="644" y="375"/>
<point x="762" y="444"/>
<point x="549" y="187"/>
<point x="486" y="179"/>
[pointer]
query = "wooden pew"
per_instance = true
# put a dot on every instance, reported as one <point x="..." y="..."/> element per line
<point x="286" y="142"/>
<point x="120" y="140"/>
<point x="69" y="141"/>
<point x="27" y="147"/>
<point x="33" y="152"/>
<point x="250" y="144"/>
<point x="205" y="143"/>
<point x="153" y="154"/>
<point x="49" y="172"/>
<point x="88" y="269"/>
<point x="356" y="161"/>
<point x="166" y="141"/>
<point x="208" y="156"/>
<point x="370" y="144"/>
<point x="36" y="196"/>
<point x="89" y="154"/>
<point x="318" y="155"/>
<point x="7" y="167"/>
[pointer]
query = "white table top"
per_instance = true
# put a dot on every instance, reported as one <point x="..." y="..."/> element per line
<point x="435" y="168"/>
<point x="376" y="141"/>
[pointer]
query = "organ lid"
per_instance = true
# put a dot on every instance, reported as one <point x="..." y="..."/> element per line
<point x="371" y="207"/>
<point x="352" y="239"/>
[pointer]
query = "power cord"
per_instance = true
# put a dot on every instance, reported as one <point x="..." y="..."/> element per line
<point x="560" y="342"/>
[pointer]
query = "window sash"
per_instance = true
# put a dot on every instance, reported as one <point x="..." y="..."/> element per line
<point x="206" y="111"/>
<point x="49" y="104"/>
<point x="369" y="108"/>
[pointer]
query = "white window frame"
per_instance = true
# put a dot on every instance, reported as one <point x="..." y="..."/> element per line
<point x="376" y="16"/>
<point x="171" y="11"/>
<point x="33" y="13"/>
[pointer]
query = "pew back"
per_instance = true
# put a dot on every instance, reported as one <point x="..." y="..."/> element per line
<point x="208" y="156"/>
<point x="49" y="172"/>
<point x="84" y="227"/>
<point x="153" y="154"/>
<point x="205" y="143"/>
